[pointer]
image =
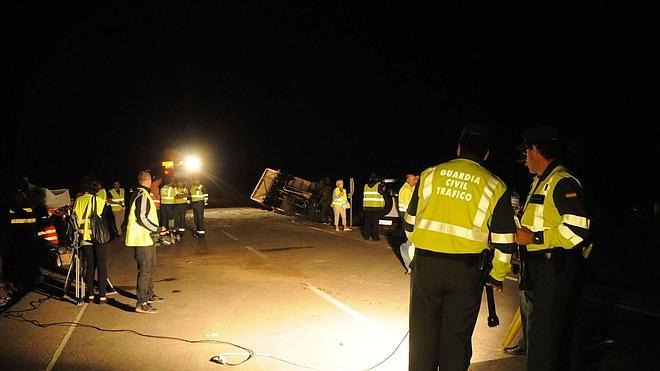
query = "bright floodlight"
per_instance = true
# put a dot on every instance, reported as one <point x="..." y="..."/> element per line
<point x="192" y="163"/>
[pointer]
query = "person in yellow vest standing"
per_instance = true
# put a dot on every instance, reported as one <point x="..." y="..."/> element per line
<point x="459" y="211"/>
<point x="117" y="202"/>
<point x="340" y="204"/>
<point x="96" y="255"/>
<point x="407" y="248"/>
<point x="180" y="207"/>
<point x="141" y="234"/>
<point x="167" y="193"/>
<point x="199" y="199"/>
<point x="554" y="231"/>
<point x="372" y="208"/>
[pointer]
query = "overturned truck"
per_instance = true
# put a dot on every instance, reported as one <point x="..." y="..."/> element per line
<point x="289" y="194"/>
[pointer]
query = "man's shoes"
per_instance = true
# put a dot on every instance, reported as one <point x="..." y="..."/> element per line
<point x="346" y="229"/>
<point x="111" y="292"/>
<point x="103" y="300"/>
<point x="146" y="308"/>
<point x="155" y="299"/>
<point x="515" y="351"/>
<point x="89" y="299"/>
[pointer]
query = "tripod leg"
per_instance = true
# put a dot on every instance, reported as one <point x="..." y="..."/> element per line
<point x="112" y="287"/>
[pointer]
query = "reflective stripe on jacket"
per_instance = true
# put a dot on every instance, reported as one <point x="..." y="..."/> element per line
<point x="117" y="199"/>
<point x="459" y="207"/>
<point x="555" y="207"/>
<point x="142" y="220"/>
<point x="167" y="193"/>
<point x="198" y="193"/>
<point x="373" y="199"/>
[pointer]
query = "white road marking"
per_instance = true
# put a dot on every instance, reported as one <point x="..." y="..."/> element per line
<point x="65" y="340"/>
<point x="255" y="251"/>
<point x="351" y="312"/>
<point x="323" y="230"/>
<point x="229" y="235"/>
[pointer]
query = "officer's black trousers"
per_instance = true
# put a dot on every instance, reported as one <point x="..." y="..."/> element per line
<point x="370" y="226"/>
<point x="166" y="213"/>
<point x="549" y="308"/>
<point x="445" y="297"/>
<point x="198" y="214"/>
<point x="180" y="216"/>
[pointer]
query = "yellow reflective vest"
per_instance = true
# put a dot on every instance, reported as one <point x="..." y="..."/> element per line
<point x="117" y="199"/>
<point x="198" y="193"/>
<point x="542" y="214"/>
<point x="82" y="209"/>
<point x="167" y="193"/>
<point x="181" y="191"/>
<point x="372" y="199"/>
<point x="453" y="210"/>
<point x="339" y="197"/>
<point x="136" y="234"/>
<point x="405" y="194"/>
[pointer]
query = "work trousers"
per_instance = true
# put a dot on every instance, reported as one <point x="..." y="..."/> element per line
<point x="370" y="225"/>
<point x="96" y="258"/>
<point x="198" y="214"/>
<point x="549" y="309"/>
<point x="20" y="260"/>
<point x="145" y="256"/>
<point x="445" y="296"/>
<point x="119" y="220"/>
<point x="166" y="213"/>
<point x="180" y="216"/>
<point x="339" y="211"/>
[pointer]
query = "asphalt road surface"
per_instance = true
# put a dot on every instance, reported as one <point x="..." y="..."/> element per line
<point x="270" y="292"/>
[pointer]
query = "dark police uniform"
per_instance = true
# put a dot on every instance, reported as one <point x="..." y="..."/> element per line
<point x="555" y="212"/>
<point x="458" y="210"/>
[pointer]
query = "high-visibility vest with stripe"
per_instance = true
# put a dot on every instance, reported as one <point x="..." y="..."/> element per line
<point x="83" y="209"/>
<point x="542" y="214"/>
<point x="137" y="235"/>
<point x="456" y="202"/>
<point x="117" y="199"/>
<point x="198" y="193"/>
<point x="167" y="193"/>
<point x="183" y="191"/>
<point x="372" y="198"/>
<point x="339" y="197"/>
<point x="49" y="233"/>
<point x="405" y="194"/>
<point x="26" y="218"/>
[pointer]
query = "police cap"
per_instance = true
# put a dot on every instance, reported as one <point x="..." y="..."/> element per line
<point x="475" y="132"/>
<point x="541" y="134"/>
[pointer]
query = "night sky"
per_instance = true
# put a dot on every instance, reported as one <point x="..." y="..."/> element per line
<point x="325" y="88"/>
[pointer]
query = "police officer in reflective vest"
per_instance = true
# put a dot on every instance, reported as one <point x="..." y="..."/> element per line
<point x="372" y="208"/>
<point x="554" y="229"/>
<point x="116" y="202"/>
<point x="199" y="199"/>
<point x="18" y="260"/>
<point x="459" y="211"/>
<point x="167" y="193"/>
<point x="407" y="248"/>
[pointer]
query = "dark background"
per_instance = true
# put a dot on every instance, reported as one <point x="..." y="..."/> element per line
<point x="336" y="89"/>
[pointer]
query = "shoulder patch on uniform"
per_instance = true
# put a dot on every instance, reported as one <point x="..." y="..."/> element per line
<point x="571" y="195"/>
